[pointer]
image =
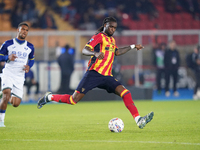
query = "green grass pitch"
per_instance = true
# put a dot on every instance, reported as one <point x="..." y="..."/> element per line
<point x="176" y="125"/>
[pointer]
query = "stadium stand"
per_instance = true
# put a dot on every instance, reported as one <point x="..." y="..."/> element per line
<point x="148" y="13"/>
<point x="6" y="7"/>
<point x="72" y="14"/>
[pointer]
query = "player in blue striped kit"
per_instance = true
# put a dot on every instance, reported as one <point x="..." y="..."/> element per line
<point x="19" y="57"/>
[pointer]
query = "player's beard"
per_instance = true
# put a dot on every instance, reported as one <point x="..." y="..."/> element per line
<point x="108" y="33"/>
<point x="22" y="37"/>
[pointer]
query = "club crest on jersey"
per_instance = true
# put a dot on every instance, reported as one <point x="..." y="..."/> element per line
<point x="91" y="40"/>
<point x="26" y="48"/>
<point x="13" y="47"/>
<point x="83" y="89"/>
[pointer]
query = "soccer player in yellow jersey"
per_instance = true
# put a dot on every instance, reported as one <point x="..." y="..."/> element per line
<point x="102" y="49"/>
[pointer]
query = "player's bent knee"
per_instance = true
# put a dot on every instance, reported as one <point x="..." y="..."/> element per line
<point x="15" y="102"/>
<point x="15" y="105"/>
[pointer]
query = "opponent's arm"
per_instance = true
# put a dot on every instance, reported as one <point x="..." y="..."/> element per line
<point x="88" y="52"/>
<point x="123" y="50"/>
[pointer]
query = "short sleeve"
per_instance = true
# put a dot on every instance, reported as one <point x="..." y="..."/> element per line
<point x="96" y="39"/>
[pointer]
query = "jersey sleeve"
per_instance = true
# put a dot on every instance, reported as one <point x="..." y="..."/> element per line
<point x="3" y="49"/>
<point x="116" y="48"/>
<point x="96" y="39"/>
<point x="31" y="55"/>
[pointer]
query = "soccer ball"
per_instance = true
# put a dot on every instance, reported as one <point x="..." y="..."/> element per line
<point x="116" y="125"/>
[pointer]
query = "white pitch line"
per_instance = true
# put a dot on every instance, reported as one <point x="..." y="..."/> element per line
<point x="97" y="141"/>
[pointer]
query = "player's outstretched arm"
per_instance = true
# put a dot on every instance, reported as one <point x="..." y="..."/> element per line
<point x="123" y="50"/>
<point x="88" y="52"/>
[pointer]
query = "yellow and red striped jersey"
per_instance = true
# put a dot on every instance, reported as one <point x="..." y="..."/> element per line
<point x="100" y="42"/>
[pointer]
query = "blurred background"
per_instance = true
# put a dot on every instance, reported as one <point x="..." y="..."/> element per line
<point x="57" y="23"/>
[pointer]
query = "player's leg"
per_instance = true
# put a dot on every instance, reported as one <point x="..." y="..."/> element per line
<point x="15" y="101"/>
<point x="167" y="80"/>
<point x="6" y="86"/>
<point x="175" y="80"/>
<point x="17" y="93"/>
<point x="8" y="89"/>
<point x="37" y="88"/>
<point x="61" y="98"/>
<point x="3" y="105"/>
<point x="158" y="79"/>
<point x="127" y="98"/>
<point x="88" y="82"/>
<point x="66" y="98"/>
<point x="197" y="86"/>
<point x="29" y="85"/>
<point x="114" y="86"/>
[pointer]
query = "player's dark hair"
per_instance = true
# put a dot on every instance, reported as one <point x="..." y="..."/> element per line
<point x="107" y="19"/>
<point x="23" y="23"/>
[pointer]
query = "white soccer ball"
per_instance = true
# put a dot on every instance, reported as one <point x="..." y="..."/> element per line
<point x="116" y="125"/>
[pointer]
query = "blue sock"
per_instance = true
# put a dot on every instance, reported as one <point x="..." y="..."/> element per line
<point x="2" y="111"/>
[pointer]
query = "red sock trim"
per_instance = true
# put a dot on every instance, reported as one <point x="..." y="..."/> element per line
<point x="72" y="100"/>
<point x="135" y="115"/>
<point x="77" y="91"/>
<point x="124" y="92"/>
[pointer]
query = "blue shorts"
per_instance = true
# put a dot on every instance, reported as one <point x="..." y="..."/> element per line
<point x="93" y="79"/>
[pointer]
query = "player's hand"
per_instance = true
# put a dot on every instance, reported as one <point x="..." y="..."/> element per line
<point x="26" y="68"/>
<point x="139" y="47"/>
<point x="99" y="55"/>
<point x="12" y="57"/>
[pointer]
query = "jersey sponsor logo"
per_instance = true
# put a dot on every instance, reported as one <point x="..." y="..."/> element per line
<point x="111" y="49"/>
<point x="20" y="54"/>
